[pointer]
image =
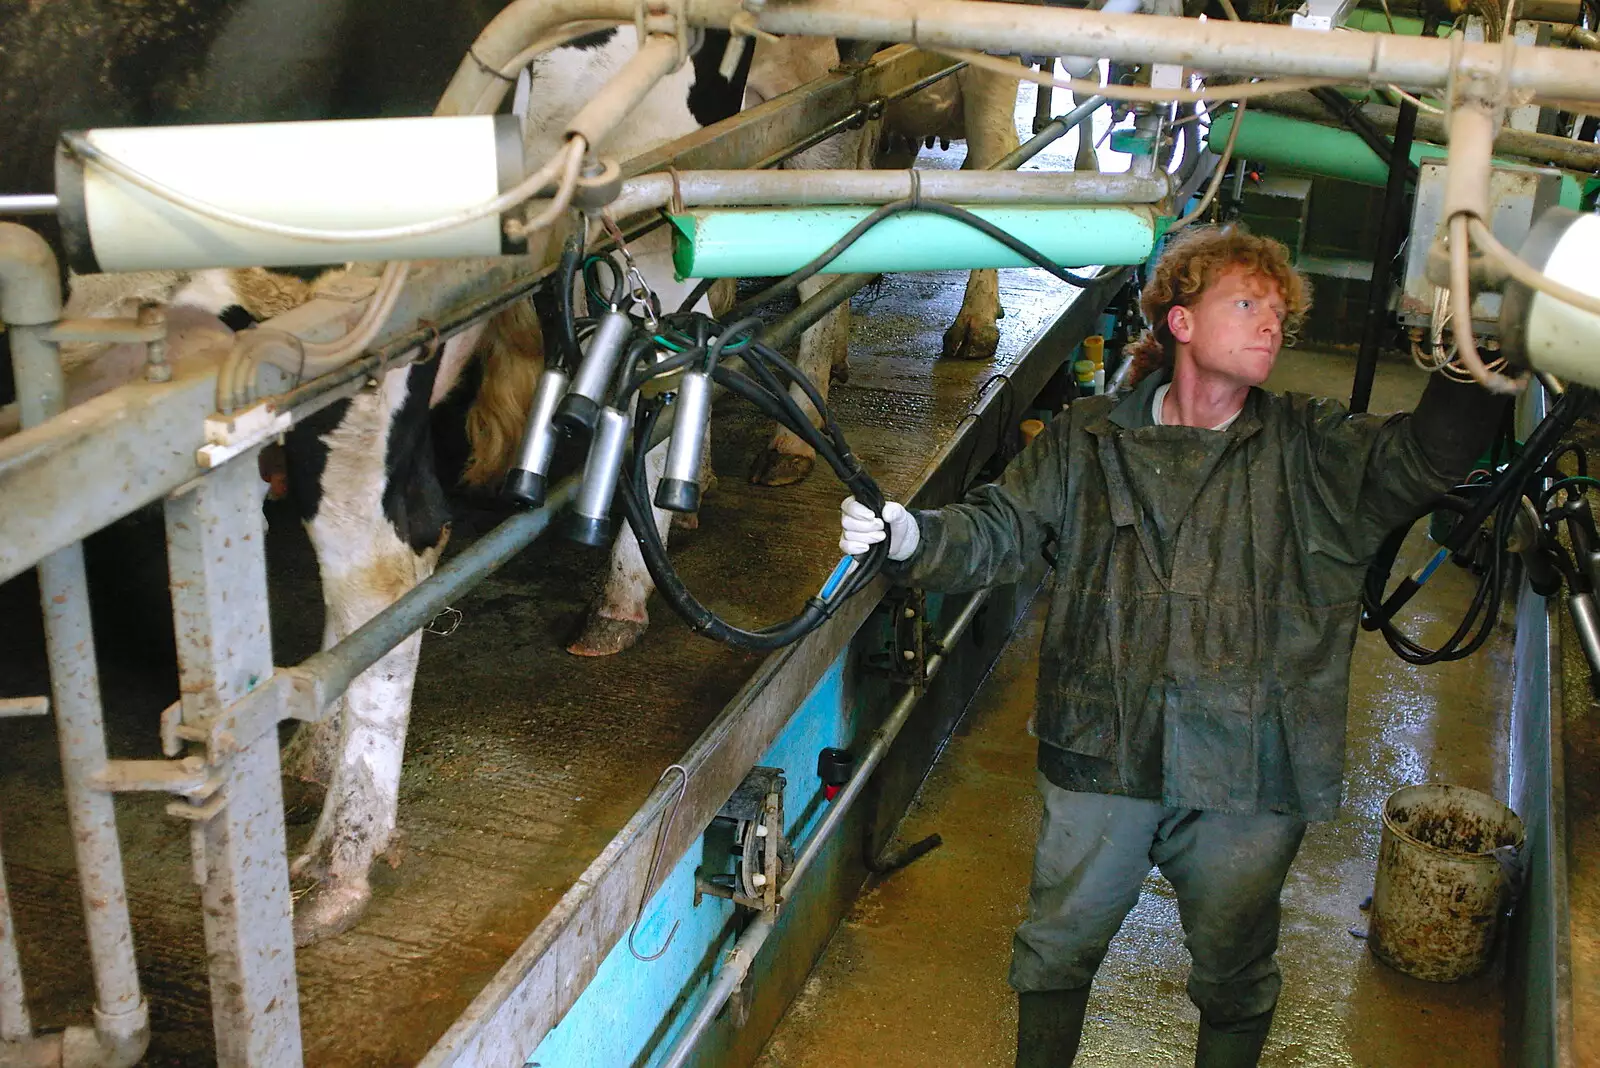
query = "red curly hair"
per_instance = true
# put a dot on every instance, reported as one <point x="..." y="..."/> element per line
<point x="1189" y="264"/>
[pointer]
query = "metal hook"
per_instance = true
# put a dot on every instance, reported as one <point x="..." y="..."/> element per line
<point x="655" y="861"/>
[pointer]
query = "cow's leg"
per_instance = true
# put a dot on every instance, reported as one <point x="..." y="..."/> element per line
<point x="619" y="618"/>
<point x="788" y="459"/>
<point x="825" y="347"/>
<point x="378" y="526"/>
<point x="989" y="101"/>
<point x="1087" y="160"/>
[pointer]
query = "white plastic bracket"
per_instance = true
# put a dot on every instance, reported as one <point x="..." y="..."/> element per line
<point x="229" y="435"/>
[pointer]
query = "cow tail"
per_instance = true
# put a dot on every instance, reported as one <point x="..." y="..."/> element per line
<point x="513" y="359"/>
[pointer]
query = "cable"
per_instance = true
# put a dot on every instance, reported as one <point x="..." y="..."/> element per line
<point x="1500" y="499"/>
<point x="1216" y="175"/>
<point x="767" y="387"/>
<point x="1461" y="312"/>
<point x="932" y="207"/>
<point x="1524" y="272"/>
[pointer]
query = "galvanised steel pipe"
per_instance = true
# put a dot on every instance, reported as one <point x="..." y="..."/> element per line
<point x="477" y="85"/>
<point x="14" y="1023"/>
<point x="1048" y="134"/>
<point x="736" y="965"/>
<point x="322" y="677"/>
<point x="1213" y="46"/>
<point x="999" y="185"/>
<point x="30" y="298"/>
<point x="624" y="91"/>
<point x="29" y="203"/>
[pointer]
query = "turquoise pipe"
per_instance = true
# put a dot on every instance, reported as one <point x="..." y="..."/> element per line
<point x="761" y="242"/>
<point x="1312" y="148"/>
<point x="1376" y="22"/>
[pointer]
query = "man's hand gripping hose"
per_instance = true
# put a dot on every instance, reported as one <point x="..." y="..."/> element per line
<point x="862" y="529"/>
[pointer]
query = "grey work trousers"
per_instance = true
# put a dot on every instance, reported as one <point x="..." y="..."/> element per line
<point x="1093" y="855"/>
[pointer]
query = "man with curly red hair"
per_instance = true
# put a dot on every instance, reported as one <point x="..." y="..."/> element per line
<point x="1209" y="540"/>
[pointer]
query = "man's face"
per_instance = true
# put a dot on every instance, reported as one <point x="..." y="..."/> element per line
<point x="1234" y="331"/>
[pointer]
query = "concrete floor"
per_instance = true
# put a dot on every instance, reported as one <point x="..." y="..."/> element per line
<point x="916" y="973"/>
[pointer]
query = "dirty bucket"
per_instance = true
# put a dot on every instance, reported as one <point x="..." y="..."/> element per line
<point x="1442" y="880"/>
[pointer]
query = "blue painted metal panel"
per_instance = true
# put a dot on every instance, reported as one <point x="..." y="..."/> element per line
<point x="633" y="1010"/>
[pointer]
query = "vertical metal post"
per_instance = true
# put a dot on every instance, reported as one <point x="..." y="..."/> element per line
<point x="30" y="300"/>
<point x="1394" y="202"/>
<point x="14" y="1023"/>
<point x="215" y="542"/>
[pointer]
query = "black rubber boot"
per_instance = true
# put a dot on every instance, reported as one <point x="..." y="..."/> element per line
<point x="1235" y="1045"/>
<point x="1049" y="1024"/>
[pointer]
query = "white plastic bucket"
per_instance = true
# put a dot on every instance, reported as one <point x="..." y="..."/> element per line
<point x="1442" y="880"/>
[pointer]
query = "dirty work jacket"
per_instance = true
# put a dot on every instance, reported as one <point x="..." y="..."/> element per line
<point x="1205" y="596"/>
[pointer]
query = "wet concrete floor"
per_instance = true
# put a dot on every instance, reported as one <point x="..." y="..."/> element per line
<point x="916" y="973"/>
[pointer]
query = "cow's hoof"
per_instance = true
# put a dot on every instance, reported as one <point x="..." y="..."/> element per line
<point x="971" y="337"/>
<point x="329" y="909"/>
<point x="774" y="468"/>
<point x="603" y="636"/>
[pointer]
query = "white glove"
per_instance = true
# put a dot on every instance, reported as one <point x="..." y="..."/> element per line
<point x="863" y="530"/>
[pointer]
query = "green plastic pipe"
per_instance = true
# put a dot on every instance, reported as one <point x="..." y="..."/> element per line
<point x="1312" y="148"/>
<point x="1377" y="22"/>
<point x="760" y="242"/>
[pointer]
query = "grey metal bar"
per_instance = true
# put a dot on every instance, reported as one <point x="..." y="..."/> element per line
<point x="216" y="552"/>
<point x="323" y="676"/>
<point x="738" y="188"/>
<point x="14" y="1023"/>
<point x="1049" y="134"/>
<point x="29" y="203"/>
<point x="1540" y="968"/>
<point x="736" y="965"/>
<point x="30" y="298"/>
<point x="1250" y="48"/>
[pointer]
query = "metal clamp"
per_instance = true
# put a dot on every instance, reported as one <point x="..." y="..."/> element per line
<point x="905" y="658"/>
<point x="599" y="185"/>
<point x="764" y="856"/>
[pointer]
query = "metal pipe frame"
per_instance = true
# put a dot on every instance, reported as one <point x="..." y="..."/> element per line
<point x="736" y="964"/>
<point x="239" y="841"/>
<point x="132" y="446"/>
<point x="761" y="188"/>
<point x="232" y="697"/>
<point x="29" y="203"/>
<point x="1244" y="48"/>
<point x="30" y="300"/>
